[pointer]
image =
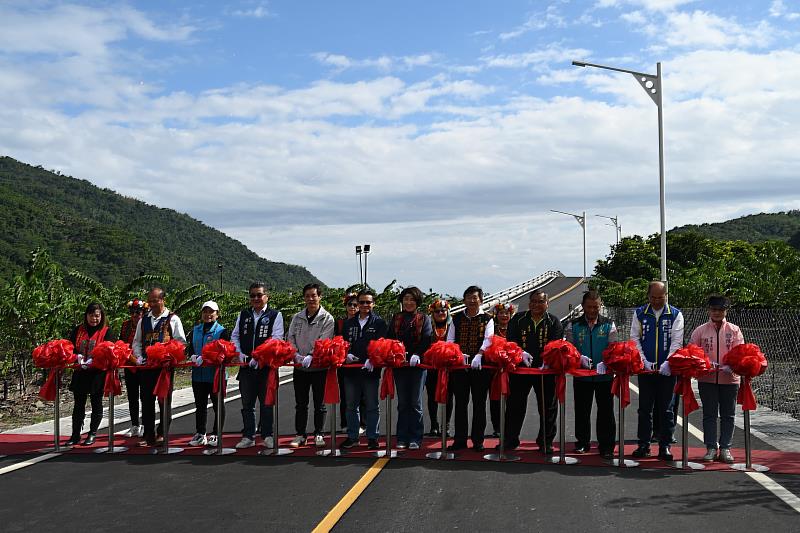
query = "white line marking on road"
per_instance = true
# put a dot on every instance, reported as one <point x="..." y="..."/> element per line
<point x="765" y="481"/>
<point x="27" y="462"/>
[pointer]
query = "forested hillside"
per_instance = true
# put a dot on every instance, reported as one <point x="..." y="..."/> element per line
<point x="784" y="226"/>
<point x="113" y="238"/>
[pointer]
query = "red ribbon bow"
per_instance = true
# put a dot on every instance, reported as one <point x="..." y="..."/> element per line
<point x="273" y="354"/>
<point x="217" y="353"/>
<point x="56" y="354"/>
<point x="109" y="356"/>
<point x="442" y="356"/>
<point x="623" y="359"/>
<point x="330" y="354"/>
<point x="688" y="362"/>
<point x="388" y="354"/>
<point x="563" y="357"/>
<point x="506" y="355"/>
<point x="748" y="361"/>
<point x="164" y="355"/>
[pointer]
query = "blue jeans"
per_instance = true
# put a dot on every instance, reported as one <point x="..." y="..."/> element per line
<point x="409" y="382"/>
<point x="656" y="390"/>
<point x="718" y="399"/>
<point x="360" y="384"/>
<point x="252" y="385"/>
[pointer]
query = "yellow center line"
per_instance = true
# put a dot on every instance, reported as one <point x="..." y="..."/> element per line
<point x="335" y="514"/>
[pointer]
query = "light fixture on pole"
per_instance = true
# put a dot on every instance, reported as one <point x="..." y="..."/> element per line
<point x="652" y="86"/>
<point x="617" y="227"/>
<point x="219" y="267"/>
<point x="366" y="253"/>
<point x="582" y="221"/>
<point x="360" y="270"/>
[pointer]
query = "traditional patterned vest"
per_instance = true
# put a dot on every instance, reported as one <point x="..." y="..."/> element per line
<point x="151" y="334"/>
<point x="84" y="344"/>
<point x="252" y="334"/>
<point x="128" y="330"/>
<point x="440" y="332"/>
<point x="469" y="332"/>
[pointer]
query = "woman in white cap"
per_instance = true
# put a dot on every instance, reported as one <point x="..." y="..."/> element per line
<point x="206" y="331"/>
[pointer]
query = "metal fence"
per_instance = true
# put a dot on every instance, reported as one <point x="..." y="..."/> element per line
<point x="774" y="330"/>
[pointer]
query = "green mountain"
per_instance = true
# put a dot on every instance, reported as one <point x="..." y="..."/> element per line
<point x="113" y="238"/>
<point x="783" y="226"/>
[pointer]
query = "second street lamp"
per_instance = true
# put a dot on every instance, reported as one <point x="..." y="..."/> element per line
<point x="617" y="227"/>
<point x="582" y="221"/>
<point x="652" y="86"/>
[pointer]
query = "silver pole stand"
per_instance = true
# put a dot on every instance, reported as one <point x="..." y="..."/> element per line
<point x="221" y="386"/>
<point x="562" y="458"/>
<point x="111" y="448"/>
<point x="333" y="451"/>
<point x="502" y="457"/>
<point x="443" y="454"/>
<point x="620" y="461"/>
<point x="165" y="448"/>
<point x="685" y="463"/>
<point x="276" y="449"/>
<point x="57" y="447"/>
<point x="748" y="465"/>
<point x="388" y="452"/>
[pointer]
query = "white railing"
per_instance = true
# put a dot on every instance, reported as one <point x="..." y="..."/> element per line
<point x="516" y="291"/>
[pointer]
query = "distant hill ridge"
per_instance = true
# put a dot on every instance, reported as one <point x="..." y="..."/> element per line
<point x="782" y="226"/>
<point x="113" y="238"/>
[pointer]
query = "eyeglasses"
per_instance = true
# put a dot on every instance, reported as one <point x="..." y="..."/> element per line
<point x="365" y="302"/>
<point x="257" y="295"/>
<point x="538" y="301"/>
<point x="440" y="310"/>
<point x="352" y="304"/>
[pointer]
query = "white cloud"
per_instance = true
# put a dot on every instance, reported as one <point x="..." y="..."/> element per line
<point x="537" y="58"/>
<point x="701" y="28"/>
<point x="649" y="5"/>
<point x="382" y="63"/>
<point x="550" y="17"/>
<point x="259" y="11"/>
<point x="777" y="9"/>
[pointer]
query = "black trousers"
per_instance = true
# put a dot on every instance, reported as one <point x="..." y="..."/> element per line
<point x="464" y="383"/>
<point x="147" y="379"/>
<point x="520" y="386"/>
<point x="304" y="382"/>
<point x="79" y="411"/>
<point x="343" y="405"/>
<point x="605" y="424"/>
<point x="202" y="391"/>
<point x="132" y="387"/>
<point x="433" y="407"/>
<point x="656" y="392"/>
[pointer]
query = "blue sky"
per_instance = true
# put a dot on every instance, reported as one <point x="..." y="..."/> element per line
<point x="440" y="132"/>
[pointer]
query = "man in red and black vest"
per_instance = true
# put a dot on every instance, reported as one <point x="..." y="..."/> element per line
<point x="254" y="326"/>
<point x="472" y="330"/>
<point x="159" y="325"/>
<point x="136" y="308"/>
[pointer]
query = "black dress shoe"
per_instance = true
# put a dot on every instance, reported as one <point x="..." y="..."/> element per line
<point x="495" y="435"/>
<point x="349" y="443"/>
<point x="478" y="447"/>
<point x="641" y="452"/>
<point x="581" y="448"/>
<point x="458" y="445"/>
<point x="73" y="440"/>
<point x="89" y="440"/>
<point x="547" y="450"/>
<point x="608" y="456"/>
<point x="372" y="444"/>
<point x="665" y="454"/>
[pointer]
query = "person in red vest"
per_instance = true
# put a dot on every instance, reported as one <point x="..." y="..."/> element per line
<point x="136" y="308"/>
<point x="87" y="381"/>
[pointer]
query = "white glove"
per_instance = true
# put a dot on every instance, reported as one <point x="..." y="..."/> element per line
<point x="527" y="359"/>
<point x="466" y="359"/>
<point x="198" y="360"/>
<point x="242" y="358"/>
<point x="543" y="367"/>
<point x="298" y="359"/>
<point x="253" y="364"/>
<point x="586" y="362"/>
<point x="306" y="361"/>
<point x="79" y="359"/>
<point x="727" y="369"/>
<point x="476" y="362"/>
<point x="648" y="365"/>
<point x="601" y="368"/>
<point x="140" y="360"/>
<point x="664" y="370"/>
<point x="414" y="361"/>
<point x="193" y="359"/>
<point x="368" y="366"/>
<point x="86" y="363"/>
<point x="351" y="358"/>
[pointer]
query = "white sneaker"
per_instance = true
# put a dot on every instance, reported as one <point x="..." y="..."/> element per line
<point x="245" y="443"/>
<point x="362" y="431"/>
<point x="213" y="440"/>
<point x="269" y="443"/>
<point x="198" y="440"/>
<point x="298" y="441"/>
<point x="413" y="446"/>
<point x="319" y="441"/>
<point x="131" y="432"/>
<point x="140" y="431"/>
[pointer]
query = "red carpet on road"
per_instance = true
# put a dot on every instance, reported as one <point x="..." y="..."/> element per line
<point x="778" y="462"/>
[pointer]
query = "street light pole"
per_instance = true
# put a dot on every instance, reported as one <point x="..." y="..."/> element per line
<point x="615" y="223"/>
<point x="366" y="253"/>
<point x="360" y="271"/>
<point x="582" y="221"/>
<point x="652" y="86"/>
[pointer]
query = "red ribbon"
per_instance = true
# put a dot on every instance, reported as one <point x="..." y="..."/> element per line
<point x="112" y="386"/>
<point x="745" y="396"/>
<point x="48" y="390"/>
<point x="621" y="388"/>
<point x="499" y="385"/>
<point x="331" y="386"/>
<point x="272" y="386"/>
<point x="441" y="386"/>
<point x="161" y="390"/>
<point x="684" y="387"/>
<point x="387" y="385"/>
